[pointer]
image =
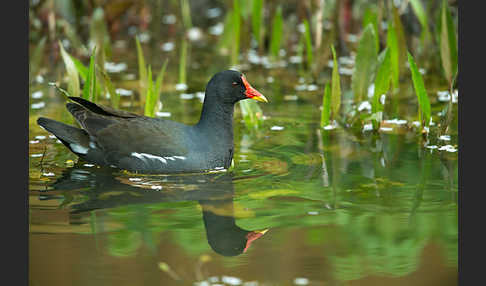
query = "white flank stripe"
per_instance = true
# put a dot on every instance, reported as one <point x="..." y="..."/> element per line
<point x="143" y="156"/>
<point x="78" y="148"/>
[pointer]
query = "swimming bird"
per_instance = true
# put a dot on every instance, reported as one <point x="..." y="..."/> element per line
<point x="136" y="143"/>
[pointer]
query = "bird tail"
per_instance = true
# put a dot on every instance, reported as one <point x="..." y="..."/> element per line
<point x="74" y="138"/>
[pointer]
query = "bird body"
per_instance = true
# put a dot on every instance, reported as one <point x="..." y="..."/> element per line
<point x="125" y="140"/>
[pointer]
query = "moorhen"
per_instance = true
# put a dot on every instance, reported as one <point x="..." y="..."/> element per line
<point x="136" y="143"/>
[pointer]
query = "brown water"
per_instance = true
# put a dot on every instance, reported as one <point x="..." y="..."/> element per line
<point x="342" y="207"/>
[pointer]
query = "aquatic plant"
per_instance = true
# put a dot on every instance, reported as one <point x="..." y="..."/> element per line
<point x="382" y="85"/>
<point x="72" y="72"/>
<point x="365" y="63"/>
<point x="89" y="89"/>
<point x="256" y="21"/>
<point x="277" y="30"/>
<point x="423" y="99"/>
<point x="153" y="91"/>
<point x="308" y="44"/>
<point x="236" y="21"/>
<point x="331" y="101"/>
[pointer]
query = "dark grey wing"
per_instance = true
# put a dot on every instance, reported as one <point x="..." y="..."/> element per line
<point x="133" y="143"/>
<point x="101" y="109"/>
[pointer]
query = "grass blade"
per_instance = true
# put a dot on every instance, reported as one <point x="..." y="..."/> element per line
<point x="365" y="63"/>
<point x="186" y="14"/>
<point x="182" y="62"/>
<point x="326" y="106"/>
<point x="256" y="20"/>
<point x="235" y="50"/>
<point x="382" y="85"/>
<point x="401" y="41"/>
<point x="336" y="86"/>
<point x="89" y="89"/>
<point x="252" y="113"/>
<point x="153" y="99"/>
<point x="392" y="46"/>
<point x="423" y="99"/>
<point x="308" y="43"/>
<point x="448" y="44"/>
<point x="277" y="25"/>
<point x="73" y="75"/>
<point x="36" y="57"/>
<point x="142" y="69"/>
<point x="422" y="17"/>
<point x="110" y="88"/>
<point x="150" y="96"/>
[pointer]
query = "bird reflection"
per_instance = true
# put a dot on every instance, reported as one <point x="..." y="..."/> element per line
<point x="214" y="192"/>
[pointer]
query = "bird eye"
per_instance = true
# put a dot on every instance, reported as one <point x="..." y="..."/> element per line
<point x="234" y="83"/>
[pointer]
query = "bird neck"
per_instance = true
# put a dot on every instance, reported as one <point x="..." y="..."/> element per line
<point x="217" y="119"/>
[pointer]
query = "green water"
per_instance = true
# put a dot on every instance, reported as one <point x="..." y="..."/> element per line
<point x="342" y="206"/>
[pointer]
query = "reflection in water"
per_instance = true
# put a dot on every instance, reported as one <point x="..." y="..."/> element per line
<point x="214" y="193"/>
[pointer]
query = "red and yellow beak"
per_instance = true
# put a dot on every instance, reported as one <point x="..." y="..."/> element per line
<point x="252" y="236"/>
<point x="251" y="92"/>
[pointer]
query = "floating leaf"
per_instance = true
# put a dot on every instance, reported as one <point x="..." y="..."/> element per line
<point x="277" y="25"/>
<point x="423" y="99"/>
<point x="365" y="63"/>
<point x="448" y="44"/>
<point x="336" y="86"/>
<point x="326" y="106"/>
<point x="73" y="75"/>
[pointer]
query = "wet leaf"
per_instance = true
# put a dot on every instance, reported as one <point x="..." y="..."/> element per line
<point x="423" y="99"/>
<point x="365" y="63"/>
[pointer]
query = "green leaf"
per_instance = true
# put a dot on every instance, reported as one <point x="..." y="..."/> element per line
<point x="277" y="25"/>
<point x="308" y="43"/>
<point x="326" y="106"/>
<point x="114" y="96"/>
<point x="82" y="69"/>
<point x="422" y="17"/>
<point x="364" y="64"/>
<point x="382" y="84"/>
<point x="392" y="45"/>
<point x="370" y="17"/>
<point x="150" y="99"/>
<point x="423" y="99"/>
<point x="153" y="99"/>
<point x="182" y="62"/>
<point x="36" y="56"/>
<point x="256" y="20"/>
<point x="235" y="51"/>
<point x="336" y="86"/>
<point x="252" y="113"/>
<point x="89" y="89"/>
<point x="448" y="44"/>
<point x="142" y="69"/>
<point x="73" y="75"/>
<point x="401" y="41"/>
